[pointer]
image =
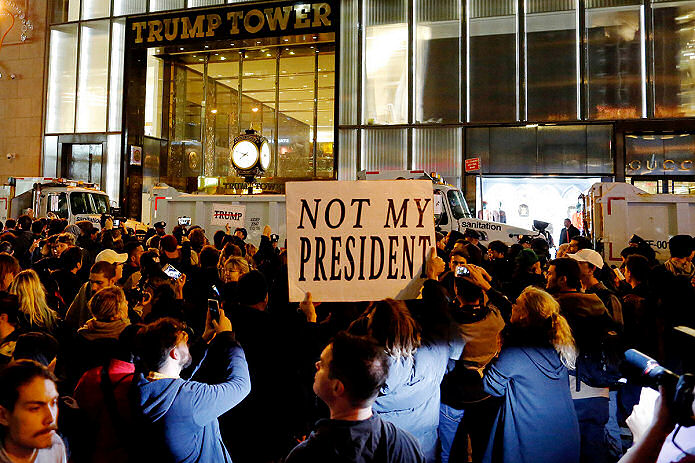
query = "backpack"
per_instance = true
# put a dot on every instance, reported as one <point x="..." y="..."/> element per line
<point x="599" y="366"/>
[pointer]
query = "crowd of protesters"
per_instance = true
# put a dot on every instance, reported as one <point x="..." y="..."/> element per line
<point x="171" y="347"/>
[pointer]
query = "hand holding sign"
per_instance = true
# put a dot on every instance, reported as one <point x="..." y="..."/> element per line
<point x="435" y="265"/>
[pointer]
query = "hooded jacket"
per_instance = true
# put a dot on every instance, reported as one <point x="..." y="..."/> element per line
<point x="537" y="421"/>
<point x="178" y="418"/>
<point x="367" y="441"/>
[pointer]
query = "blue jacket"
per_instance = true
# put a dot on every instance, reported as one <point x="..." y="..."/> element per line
<point x="537" y="422"/>
<point x="179" y="417"/>
<point x="410" y="397"/>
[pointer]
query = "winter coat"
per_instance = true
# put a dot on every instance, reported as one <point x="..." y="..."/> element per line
<point x="537" y="422"/>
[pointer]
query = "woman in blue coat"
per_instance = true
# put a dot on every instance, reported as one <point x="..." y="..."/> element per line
<point x="418" y="361"/>
<point x="537" y="422"/>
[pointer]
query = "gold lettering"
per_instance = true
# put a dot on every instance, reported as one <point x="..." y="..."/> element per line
<point x="319" y="16"/>
<point x="214" y="22"/>
<point x="138" y="27"/>
<point x="669" y="168"/>
<point x="196" y="30"/>
<point x="651" y="166"/>
<point x="155" y="31"/>
<point x="302" y="16"/>
<point x="170" y="32"/>
<point x="687" y="161"/>
<point x="247" y="21"/>
<point x="280" y="15"/>
<point x="635" y="165"/>
<point x="234" y="16"/>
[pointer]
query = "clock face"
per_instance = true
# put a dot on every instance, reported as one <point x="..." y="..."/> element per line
<point x="265" y="155"/>
<point x="244" y="154"/>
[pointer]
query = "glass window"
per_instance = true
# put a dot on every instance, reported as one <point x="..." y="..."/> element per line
<point x="153" y="95"/>
<point x="348" y="63"/>
<point x="325" y="111"/>
<point x="50" y="156"/>
<point x="551" y="53"/>
<point x="79" y="203"/>
<point x="92" y="9"/>
<point x="459" y="208"/>
<point x="101" y="203"/>
<point x="384" y="149"/>
<point x="492" y="80"/>
<point x="437" y="61"/>
<point x="163" y="5"/>
<point x="197" y="3"/>
<point x="123" y="7"/>
<point x="562" y="149"/>
<point x="615" y="52"/>
<point x="62" y="65"/>
<point x="347" y="161"/>
<point x="112" y="172"/>
<point x="58" y="204"/>
<point x="116" y="76"/>
<point x="93" y="76"/>
<point x="64" y="11"/>
<point x="385" y="98"/>
<point x="438" y="150"/>
<point x="674" y="67"/>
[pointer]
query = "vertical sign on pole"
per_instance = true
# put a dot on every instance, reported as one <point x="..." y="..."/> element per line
<point x="472" y="165"/>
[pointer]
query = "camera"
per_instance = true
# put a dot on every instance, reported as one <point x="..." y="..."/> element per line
<point x="462" y="271"/>
<point x="679" y="389"/>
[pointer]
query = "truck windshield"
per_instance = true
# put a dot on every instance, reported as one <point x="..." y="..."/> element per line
<point x="58" y="204"/>
<point x="459" y="208"/>
<point x="79" y="203"/>
<point x="101" y="203"/>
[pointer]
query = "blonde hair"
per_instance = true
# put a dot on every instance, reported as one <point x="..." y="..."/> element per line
<point x="562" y="250"/>
<point x="109" y="303"/>
<point x="390" y="323"/>
<point x="533" y="308"/>
<point x="237" y="263"/>
<point x="32" y="300"/>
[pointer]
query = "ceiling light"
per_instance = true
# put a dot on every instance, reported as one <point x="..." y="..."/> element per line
<point x="223" y="58"/>
<point x="255" y="110"/>
<point x="213" y="111"/>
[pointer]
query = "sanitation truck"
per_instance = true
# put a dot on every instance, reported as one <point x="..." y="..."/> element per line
<point x="613" y="212"/>
<point x="253" y="212"/>
<point x="63" y="198"/>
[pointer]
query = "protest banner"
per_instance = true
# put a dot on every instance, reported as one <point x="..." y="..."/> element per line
<point x="223" y="214"/>
<point x="358" y="241"/>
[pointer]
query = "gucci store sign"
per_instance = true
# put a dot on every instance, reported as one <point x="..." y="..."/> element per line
<point x="231" y="22"/>
<point x="671" y="154"/>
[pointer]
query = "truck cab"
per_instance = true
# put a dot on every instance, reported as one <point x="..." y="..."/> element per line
<point x="451" y="211"/>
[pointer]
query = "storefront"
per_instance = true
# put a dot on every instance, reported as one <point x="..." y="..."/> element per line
<point x="540" y="91"/>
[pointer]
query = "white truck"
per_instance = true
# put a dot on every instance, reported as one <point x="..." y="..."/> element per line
<point x="173" y="207"/>
<point x="66" y="199"/>
<point x="613" y="212"/>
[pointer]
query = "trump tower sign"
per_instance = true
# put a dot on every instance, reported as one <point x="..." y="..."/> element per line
<point x="358" y="241"/>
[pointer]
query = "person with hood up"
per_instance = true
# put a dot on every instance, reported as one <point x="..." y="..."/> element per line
<point x="537" y="421"/>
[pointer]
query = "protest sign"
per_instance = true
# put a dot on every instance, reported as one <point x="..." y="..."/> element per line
<point x="358" y="241"/>
<point x="223" y="214"/>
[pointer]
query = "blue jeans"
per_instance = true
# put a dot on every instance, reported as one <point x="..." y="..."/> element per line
<point x="593" y="416"/>
<point x="449" y="420"/>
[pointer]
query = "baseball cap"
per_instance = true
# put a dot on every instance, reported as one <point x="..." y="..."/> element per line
<point x="160" y="225"/>
<point x="111" y="256"/>
<point x="588" y="255"/>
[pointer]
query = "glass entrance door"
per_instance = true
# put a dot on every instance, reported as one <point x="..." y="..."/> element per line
<point x="286" y="93"/>
<point x="83" y="162"/>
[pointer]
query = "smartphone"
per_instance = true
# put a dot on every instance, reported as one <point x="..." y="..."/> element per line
<point x="214" y="308"/>
<point x="462" y="271"/>
<point x="171" y="272"/>
<point x="116" y="222"/>
<point x="619" y="274"/>
<point x="185" y="221"/>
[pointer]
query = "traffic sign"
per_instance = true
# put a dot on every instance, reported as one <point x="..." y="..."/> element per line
<point x="472" y="164"/>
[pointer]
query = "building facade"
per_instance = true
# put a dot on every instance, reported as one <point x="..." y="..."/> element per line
<point x="552" y="95"/>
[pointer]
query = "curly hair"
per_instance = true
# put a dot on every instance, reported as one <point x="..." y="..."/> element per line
<point x="32" y="300"/>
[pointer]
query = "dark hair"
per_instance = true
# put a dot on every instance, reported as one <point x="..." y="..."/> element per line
<point x="105" y="268"/>
<point x="10" y="223"/>
<point x="8" y="264"/>
<point x="178" y="232"/>
<point x="24" y="222"/>
<point x="255" y="288"/>
<point x="16" y="375"/>
<point x="468" y="291"/>
<point x="461" y="253"/>
<point x="154" y="242"/>
<point x="9" y="305"/>
<point x="230" y="249"/>
<point x="197" y="238"/>
<point x="37" y="227"/>
<point x="639" y="267"/>
<point x="131" y="247"/>
<point x="243" y="232"/>
<point x="498" y="246"/>
<point x="360" y="364"/>
<point x="154" y="341"/>
<point x="475" y="254"/>
<point x="209" y="256"/>
<point x="169" y="243"/>
<point x="71" y="257"/>
<point x="582" y="242"/>
<point x="217" y="239"/>
<point x="569" y="268"/>
<point x="37" y="346"/>
<point x="680" y="246"/>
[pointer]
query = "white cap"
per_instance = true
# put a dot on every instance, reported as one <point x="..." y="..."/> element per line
<point x="588" y="255"/>
<point x="111" y="256"/>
